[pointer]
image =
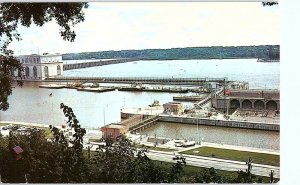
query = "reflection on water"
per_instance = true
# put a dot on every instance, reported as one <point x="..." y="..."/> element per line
<point x="221" y="135"/>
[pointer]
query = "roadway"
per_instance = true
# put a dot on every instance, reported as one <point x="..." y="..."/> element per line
<point x="221" y="164"/>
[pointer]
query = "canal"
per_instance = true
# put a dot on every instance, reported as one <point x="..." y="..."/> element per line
<point x="213" y="134"/>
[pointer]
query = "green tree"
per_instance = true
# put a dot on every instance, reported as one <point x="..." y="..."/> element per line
<point x="208" y="176"/>
<point x="45" y="161"/>
<point x="12" y="15"/>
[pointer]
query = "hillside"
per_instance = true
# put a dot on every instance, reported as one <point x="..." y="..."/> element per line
<point x="214" y="52"/>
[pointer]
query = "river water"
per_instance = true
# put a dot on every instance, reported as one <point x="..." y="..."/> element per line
<point x="33" y="104"/>
<point x="258" y="74"/>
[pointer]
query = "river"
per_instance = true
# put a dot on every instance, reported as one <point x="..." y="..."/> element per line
<point x="33" y="104"/>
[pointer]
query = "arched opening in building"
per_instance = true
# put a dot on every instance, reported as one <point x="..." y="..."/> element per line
<point x="246" y="104"/>
<point x="27" y="71"/>
<point x="19" y="73"/>
<point x="259" y="105"/>
<point x="34" y="72"/>
<point x="58" y="70"/>
<point x="12" y="71"/>
<point x="234" y="104"/>
<point x="271" y="105"/>
<point x="46" y="70"/>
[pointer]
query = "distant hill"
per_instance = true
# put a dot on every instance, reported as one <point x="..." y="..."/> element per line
<point x="214" y="52"/>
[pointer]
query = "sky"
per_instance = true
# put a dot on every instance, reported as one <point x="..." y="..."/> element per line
<point x="146" y="25"/>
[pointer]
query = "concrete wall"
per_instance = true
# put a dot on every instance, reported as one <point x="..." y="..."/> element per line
<point x="244" y="103"/>
<point x="222" y="123"/>
<point x="267" y="94"/>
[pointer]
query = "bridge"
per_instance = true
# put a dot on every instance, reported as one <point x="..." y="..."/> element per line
<point x="143" y="80"/>
<point x="96" y="63"/>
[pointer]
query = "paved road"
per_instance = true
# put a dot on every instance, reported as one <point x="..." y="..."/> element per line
<point x="221" y="164"/>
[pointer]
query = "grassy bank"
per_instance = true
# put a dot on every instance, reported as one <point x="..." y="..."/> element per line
<point x="259" y="158"/>
<point x="190" y="172"/>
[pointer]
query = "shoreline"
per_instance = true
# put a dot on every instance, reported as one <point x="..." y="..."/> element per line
<point x="36" y="124"/>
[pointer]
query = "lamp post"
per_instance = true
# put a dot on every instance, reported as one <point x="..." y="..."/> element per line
<point x="224" y="88"/>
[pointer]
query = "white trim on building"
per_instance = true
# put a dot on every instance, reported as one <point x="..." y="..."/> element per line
<point x="40" y="67"/>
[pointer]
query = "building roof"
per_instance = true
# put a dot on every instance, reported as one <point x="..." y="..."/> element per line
<point x="114" y="125"/>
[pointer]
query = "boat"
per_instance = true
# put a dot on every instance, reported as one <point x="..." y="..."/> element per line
<point x="52" y="86"/>
<point x="133" y="87"/>
<point x="184" y="143"/>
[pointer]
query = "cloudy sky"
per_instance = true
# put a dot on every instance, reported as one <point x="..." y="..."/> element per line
<point x="143" y="25"/>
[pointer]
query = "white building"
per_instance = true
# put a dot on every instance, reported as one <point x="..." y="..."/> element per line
<point x="40" y="66"/>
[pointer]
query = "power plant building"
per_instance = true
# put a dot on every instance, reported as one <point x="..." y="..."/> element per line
<point x="39" y="67"/>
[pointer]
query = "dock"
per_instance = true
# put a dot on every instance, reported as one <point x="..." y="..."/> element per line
<point x="87" y="89"/>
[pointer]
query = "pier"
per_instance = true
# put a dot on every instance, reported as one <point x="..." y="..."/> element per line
<point x="97" y="63"/>
<point x="143" y="80"/>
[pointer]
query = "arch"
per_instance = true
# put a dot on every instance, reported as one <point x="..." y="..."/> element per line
<point x="247" y="104"/>
<point x="27" y="71"/>
<point x="58" y="70"/>
<point x="271" y="105"/>
<point x="34" y="72"/>
<point x="46" y="70"/>
<point x="19" y="72"/>
<point x="235" y="103"/>
<point x="12" y="71"/>
<point x="258" y="104"/>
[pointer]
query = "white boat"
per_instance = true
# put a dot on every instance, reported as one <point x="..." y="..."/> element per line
<point x="184" y="143"/>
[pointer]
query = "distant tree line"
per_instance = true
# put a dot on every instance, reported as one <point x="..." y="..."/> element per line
<point x="214" y="52"/>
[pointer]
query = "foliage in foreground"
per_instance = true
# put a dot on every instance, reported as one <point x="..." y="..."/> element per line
<point x="12" y="15"/>
<point x="61" y="160"/>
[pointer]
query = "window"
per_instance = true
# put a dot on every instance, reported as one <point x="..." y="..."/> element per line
<point x="46" y="71"/>
<point x="34" y="71"/>
<point x="27" y="71"/>
<point x="58" y="70"/>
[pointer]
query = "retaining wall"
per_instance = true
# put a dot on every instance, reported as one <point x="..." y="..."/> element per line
<point x="220" y="123"/>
